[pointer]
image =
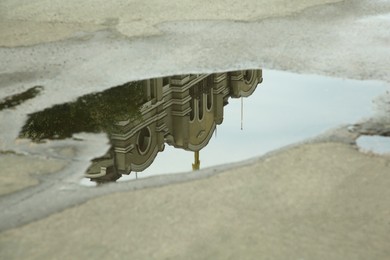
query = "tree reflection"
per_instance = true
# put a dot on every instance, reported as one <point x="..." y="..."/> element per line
<point x="90" y="113"/>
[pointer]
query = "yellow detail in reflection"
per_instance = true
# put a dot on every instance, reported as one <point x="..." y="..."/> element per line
<point x="196" y="164"/>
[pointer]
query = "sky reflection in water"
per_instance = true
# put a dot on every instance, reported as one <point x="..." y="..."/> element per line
<point x="285" y="108"/>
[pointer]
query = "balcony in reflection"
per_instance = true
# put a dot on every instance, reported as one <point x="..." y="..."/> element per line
<point x="142" y="117"/>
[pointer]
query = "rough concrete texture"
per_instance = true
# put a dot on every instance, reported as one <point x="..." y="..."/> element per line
<point x="316" y="201"/>
<point x="24" y="22"/>
<point x="16" y="176"/>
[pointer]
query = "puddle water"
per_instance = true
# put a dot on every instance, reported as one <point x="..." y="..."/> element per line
<point x="374" y="144"/>
<point x="182" y="123"/>
<point x="141" y="118"/>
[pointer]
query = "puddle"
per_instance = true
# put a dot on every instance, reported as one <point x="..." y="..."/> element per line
<point x="182" y="123"/>
<point x="141" y="118"/>
<point x="374" y="144"/>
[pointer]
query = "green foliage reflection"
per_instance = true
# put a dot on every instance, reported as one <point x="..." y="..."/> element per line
<point x="98" y="112"/>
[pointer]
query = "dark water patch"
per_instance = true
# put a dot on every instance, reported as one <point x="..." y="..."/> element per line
<point x="17" y="99"/>
<point x="8" y="152"/>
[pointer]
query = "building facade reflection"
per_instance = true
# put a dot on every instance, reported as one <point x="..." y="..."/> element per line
<point x="182" y="111"/>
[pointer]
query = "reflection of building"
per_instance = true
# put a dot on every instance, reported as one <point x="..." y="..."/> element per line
<point x="182" y="111"/>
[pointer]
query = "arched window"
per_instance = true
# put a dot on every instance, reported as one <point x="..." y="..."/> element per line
<point x="192" y="106"/>
<point x="200" y="106"/>
<point x="144" y="140"/>
<point x="209" y="99"/>
<point x="248" y="74"/>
